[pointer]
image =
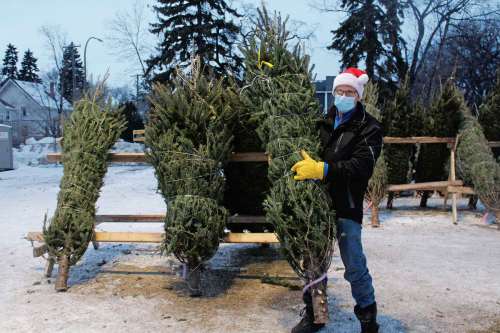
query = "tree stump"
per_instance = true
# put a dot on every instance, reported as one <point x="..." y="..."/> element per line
<point x="320" y="303"/>
<point x="375" y="219"/>
<point x="62" y="276"/>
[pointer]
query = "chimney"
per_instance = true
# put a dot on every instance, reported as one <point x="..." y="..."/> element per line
<point x="52" y="90"/>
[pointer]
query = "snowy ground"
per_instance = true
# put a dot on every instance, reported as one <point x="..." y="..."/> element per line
<point x="429" y="275"/>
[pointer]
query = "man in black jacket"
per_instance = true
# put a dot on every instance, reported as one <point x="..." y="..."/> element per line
<point x="351" y="140"/>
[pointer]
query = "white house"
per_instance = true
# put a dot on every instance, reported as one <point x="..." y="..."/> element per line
<point x="32" y="109"/>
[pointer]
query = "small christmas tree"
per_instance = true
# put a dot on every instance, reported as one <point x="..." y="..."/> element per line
<point x="476" y="161"/>
<point x="489" y="116"/>
<point x="89" y="133"/>
<point x="396" y="119"/>
<point x="377" y="185"/>
<point x="278" y="82"/>
<point x="442" y="120"/>
<point x="189" y="136"/>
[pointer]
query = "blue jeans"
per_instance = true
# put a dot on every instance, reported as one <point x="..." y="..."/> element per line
<point x="356" y="271"/>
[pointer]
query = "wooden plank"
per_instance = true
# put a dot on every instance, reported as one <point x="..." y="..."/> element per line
<point x="139" y="157"/>
<point x="460" y="189"/>
<point x="417" y="139"/>
<point x="159" y="218"/>
<point x="157" y="237"/>
<point x="494" y="144"/>
<point x="424" y="186"/>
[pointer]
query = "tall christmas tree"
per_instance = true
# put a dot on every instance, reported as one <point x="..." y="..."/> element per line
<point x="204" y="28"/>
<point x="189" y="136"/>
<point x="9" y="67"/>
<point x="278" y="81"/>
<point x="72" y="78"/>
<point x="396" y="120"/>
<point x="29" y="69"/>
<point x="476" y="162"/>
<point x="377" y="185"/>
<point x="489" y="116"/>
<point x="89" y="133"/>
<point x="442" y="120"/>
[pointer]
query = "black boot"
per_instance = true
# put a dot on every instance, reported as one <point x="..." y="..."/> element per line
<point x="307" y="325"/>
<point x="367" y="317"/>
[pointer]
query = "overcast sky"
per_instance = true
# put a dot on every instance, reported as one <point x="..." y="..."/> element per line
<point x="20" y="23"/>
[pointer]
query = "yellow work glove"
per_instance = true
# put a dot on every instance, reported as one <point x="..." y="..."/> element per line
<point x="308" y="168"/>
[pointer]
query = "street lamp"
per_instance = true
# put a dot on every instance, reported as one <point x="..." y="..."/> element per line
<point x="85" y="60"/>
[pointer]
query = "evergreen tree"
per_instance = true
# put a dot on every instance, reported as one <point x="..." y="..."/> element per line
<point x="476" y="162"/>
<point x="280" y="95"/>
<point x="489" y="115"/>
<point x="396" y="120"/>
<point x="72" y="77"/>
<point x="371" y="32"/>
<point x="9" y="67"/>
<point x="134" y="120"/>
<point x="29" y="68"/>
<point x="194" y="27"/>
<point x="89" y="133"/>
<point x="377" y="185"/>
<point x="189" y="136"/>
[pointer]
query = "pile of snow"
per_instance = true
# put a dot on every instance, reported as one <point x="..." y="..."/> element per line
<point x="34" y="152"/>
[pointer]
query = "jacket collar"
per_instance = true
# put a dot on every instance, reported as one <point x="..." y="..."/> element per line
<point x="357" y="119"/>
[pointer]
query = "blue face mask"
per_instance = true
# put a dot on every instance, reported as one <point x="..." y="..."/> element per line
<point x="344" y="103"/>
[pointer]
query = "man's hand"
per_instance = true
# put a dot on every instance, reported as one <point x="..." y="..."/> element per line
<point x="308" y="168"/>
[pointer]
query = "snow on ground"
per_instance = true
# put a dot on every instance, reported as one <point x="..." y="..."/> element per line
<point x="429" y="275"/>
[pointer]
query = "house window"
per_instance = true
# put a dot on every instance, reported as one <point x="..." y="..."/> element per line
<point x="24" y="111"/>
<point x="7" y="117"/>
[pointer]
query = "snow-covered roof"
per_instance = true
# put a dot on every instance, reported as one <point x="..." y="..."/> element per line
<point x="40" y="93"/>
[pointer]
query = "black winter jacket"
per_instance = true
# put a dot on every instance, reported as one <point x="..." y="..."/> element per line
<point x="351" y="151"/>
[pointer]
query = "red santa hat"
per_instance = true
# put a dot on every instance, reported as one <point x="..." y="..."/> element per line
<point x="352" y="77"/>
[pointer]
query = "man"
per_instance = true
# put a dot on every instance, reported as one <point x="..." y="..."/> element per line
<point x="351" y="141"/>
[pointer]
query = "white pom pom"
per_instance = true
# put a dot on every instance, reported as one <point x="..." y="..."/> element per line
<point x="363" y="78"/>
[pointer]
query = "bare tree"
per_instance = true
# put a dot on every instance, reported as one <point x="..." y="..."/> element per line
<point x="129" y="36"/>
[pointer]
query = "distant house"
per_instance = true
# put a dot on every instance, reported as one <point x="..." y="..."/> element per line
<point x="324" y="92"/>
<point x="32" y="109"/>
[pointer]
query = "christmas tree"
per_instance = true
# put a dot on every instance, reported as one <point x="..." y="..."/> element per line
<point x="377" y="185"/>
<point x="89" y="133"/>
<point x="278" y="84"/>
<point x="72" y="79"/>
<point x="189" y="139"/>
<point x="396" y="120"/>
<point x="475" y="160"/>
<point x="29" y="68"/>
<point x="489" y="116"/>
<point x="442" y="120"/>
<point x="9" y="67"/>
<point x="134" y="121"/>
<point x="194" y="27"/>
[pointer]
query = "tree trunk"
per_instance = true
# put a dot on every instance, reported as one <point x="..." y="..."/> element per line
<point x="390" y="199"/>
<point x="62" y="276"/>
<point x="193" y="280"/>
<point x="423" y="199"/>
<point x="375" y="220"/>
<point x="320" y="303"/>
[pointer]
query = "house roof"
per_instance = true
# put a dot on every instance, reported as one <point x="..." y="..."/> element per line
<point x="40" y="93"/>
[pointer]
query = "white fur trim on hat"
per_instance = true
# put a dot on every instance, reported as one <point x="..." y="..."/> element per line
<point x="349" y="78"/>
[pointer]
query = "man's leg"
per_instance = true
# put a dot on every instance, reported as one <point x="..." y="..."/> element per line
<point x="356" y="273"/>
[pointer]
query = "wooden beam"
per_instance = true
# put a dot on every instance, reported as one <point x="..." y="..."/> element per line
<point x="160" y="218"/>
<point x="460" y="189"/>
<point x="494" y="144"/>
<point x="157" y="237"/>
<point x="417" y="139"/>
<point x="424" y="186"/>
<point x="139" y="157"/>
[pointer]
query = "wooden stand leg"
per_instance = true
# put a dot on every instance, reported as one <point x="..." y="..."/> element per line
<point x="454" y="216"/>
<point x="62" y="277"/>
<point x="49" y="266"/>
<point x="94" y="243"/>
<point x="453" y="178"/>
<point x="320" y="303"/>
<point x="497" y="216"/>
